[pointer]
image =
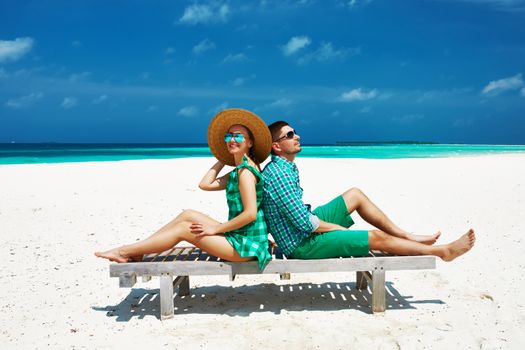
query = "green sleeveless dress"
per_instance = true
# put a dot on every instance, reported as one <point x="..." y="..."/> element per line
<point x="252" y="239"/>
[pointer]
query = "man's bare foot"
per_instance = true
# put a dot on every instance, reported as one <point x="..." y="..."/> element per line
<point x="425" y="239"/>
<point x="460" y="246"/>
<point x="113" y="255"/>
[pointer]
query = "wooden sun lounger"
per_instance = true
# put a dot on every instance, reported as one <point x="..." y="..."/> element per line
<point x="175" y="266"/>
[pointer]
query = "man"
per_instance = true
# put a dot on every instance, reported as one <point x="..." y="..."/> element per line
<point x="302" y="233"/>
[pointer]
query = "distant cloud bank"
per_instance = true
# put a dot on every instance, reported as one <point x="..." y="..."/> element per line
<point x="13" y="50"/>
<point x="24" y="101"/>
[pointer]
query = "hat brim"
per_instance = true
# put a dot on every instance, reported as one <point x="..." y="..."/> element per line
<point x="219" y="125"/>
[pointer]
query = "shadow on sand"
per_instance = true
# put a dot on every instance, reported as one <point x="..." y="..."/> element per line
<point x="244" y="300"/>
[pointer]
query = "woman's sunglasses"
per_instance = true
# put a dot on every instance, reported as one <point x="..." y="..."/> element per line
<point x="237" y="137"/>
<point x="289" y="135"/>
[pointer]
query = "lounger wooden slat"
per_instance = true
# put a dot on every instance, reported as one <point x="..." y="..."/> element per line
<point x="178" y="264"/>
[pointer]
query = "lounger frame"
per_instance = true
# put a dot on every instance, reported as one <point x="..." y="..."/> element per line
<point x="174" y="267"/>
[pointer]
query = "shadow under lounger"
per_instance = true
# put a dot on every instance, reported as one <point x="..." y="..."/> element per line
<point x="174" y="267"/>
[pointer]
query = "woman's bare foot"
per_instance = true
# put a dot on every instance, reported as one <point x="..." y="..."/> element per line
<point x="425" y="239"/>
<point x="113" y="255"/>
<point x="460" y="246"/>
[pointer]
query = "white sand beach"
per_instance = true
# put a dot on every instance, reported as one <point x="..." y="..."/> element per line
<point x="57" y="294"/>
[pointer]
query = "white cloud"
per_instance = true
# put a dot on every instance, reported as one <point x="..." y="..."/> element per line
<point x="3" y="73"/>
<point x="24" y="101"/>
<point x="76" y="43"/>
<point x="522" y="92"/>
<point x="170" y="50"/>
<point x="326" y="52"/>
<point x="496" y="87"/>
<point x="205" y="13"/>
<point x="69" y="102"/>
<point x="359" y="95"/>
<point x="188" y="111"/>
<point x="145" y="75"/>
<point x="13" y="50"/>
<point x="282" y="102"/>
<point x="203" y="46"/>
<point x="295" y="44"/>
<point x="100" y="99"/>
<point x="237" y="58"/>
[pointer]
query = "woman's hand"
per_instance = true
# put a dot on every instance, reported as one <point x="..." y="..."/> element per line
<point x="201" y="230"/>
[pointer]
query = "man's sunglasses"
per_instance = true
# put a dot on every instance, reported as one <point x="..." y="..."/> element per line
<point x="289" y="135"/>
<point x="237" y="137"/>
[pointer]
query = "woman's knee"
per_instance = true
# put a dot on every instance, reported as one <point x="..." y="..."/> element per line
<point x="187" y="214"/>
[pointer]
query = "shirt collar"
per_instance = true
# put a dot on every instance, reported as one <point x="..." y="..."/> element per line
<point x="284" y="162"/>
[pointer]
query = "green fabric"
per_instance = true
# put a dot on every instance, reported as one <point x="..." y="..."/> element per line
<point x="333" y="244"/>
<point x="335" y="212"/>
<point x="252" y="239"/>
<point x="287" y="216"/>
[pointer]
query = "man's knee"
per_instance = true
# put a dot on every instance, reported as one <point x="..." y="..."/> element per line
<point x="354" y="192"/>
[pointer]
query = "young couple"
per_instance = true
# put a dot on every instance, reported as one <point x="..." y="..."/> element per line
<point x="271" y="201"/>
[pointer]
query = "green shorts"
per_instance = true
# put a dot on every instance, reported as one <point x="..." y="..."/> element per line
<point x="333" y="244"/>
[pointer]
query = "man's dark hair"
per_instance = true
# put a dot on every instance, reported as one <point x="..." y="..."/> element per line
<point x="275" y="129"/>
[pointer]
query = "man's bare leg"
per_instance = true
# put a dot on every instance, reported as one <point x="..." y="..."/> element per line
<point x="379" y="240"/>
<point x="355" y="199"/>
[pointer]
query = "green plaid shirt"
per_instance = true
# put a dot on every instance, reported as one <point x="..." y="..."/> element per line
<point x="287" y="217"/>
<point x="252" y="239"/>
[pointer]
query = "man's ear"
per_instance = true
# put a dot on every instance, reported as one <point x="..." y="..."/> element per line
<point x="276" y="147"/>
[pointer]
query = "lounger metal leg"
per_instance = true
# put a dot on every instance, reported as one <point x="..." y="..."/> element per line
<point x="166" y="296"/>
<point x="378" y="290"/>
<point x="361" y="282"/>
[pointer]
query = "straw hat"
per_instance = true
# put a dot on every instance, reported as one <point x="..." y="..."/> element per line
<point x="219" y="125"/>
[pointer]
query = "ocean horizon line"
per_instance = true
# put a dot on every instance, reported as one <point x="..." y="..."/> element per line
<point x="200" y="144"/>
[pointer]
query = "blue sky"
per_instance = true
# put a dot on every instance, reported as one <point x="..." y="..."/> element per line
<point x="354" y="70"/>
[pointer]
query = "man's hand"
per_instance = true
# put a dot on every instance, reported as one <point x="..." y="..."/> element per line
<point x="328" y="226"/>
<point x="201" y="230"/>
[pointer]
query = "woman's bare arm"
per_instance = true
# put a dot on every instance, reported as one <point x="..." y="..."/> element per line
<point x="247" y="183"/>
<point x="210" y="182"/>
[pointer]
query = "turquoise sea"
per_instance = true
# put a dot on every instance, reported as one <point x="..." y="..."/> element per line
<point x="64" y="153"/>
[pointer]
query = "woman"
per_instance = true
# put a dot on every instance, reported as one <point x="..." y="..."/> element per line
<point x="241" y="139"/>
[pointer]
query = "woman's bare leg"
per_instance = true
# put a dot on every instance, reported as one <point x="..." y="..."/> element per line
<point x="174" y="232"/>
<point x="355" y="199"/>
<point x="379" y="240"/>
